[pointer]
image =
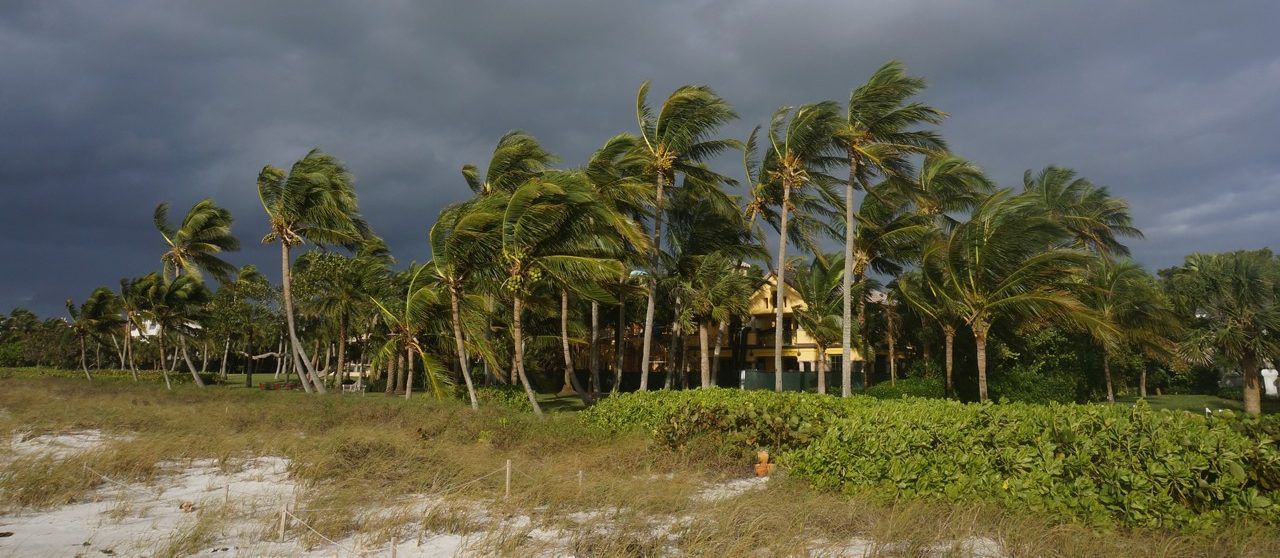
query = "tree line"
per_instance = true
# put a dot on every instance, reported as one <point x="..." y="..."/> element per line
<point x="646" y="241"/>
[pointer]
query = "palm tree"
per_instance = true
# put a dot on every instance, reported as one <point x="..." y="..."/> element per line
<point x="193" y="246"/>
<point x="715" y="291"/>
<point x="1232" y="302"/>
<point x="464" y="242"/>
<point x="99" y="315"/>
<point x="344" y="285"/>
<point x="925" y="291"/>
<point x="996" y="265"/>
<point x="544" y="224"/>
<point x="1128" y="299"/>
<point x="315" y="201"/>
<point x="517" y="158"/>
<point x="801" y="146"/>
<point x="407" y="323"/>
<point x="1093" y="217"/>
<point x="132" y="302"/>
<point x="879" y="136"/>
<point x="944" y="184"/>
<point x="675" y="140"/>
<point x="818" y="284"/>
<point x="177" y="307"/>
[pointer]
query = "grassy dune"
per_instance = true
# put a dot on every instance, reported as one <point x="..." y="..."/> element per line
<point x="353" y="454"/>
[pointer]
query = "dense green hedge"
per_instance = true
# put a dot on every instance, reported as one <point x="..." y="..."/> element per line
<point x="180" y="376"/>
<point x="908" y="387"/>
<point x="1096" y="463"/>
<point x="511" y="397"/>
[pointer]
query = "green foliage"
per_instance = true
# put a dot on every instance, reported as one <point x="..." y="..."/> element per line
<point x="508" y="397"/>
<point x="932" y="386"/>
<point x="1033" y="383"/>
<point x="1100" y="464"/>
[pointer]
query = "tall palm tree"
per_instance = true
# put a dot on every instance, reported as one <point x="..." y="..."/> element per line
<point x="516" y="158"/>
<point x="675" y="140"/>
<point x="464" y="243"/>
<point x="315" y="201"/>
<point x="881" y="133"/>
<point x="407" y="322"/>
<point x="1094" y="218"/>
<point x="997" y="265"/>
<point x="800" y="153"/>
<point x="98" y="315"/>
<point x="1127" y="298"/>
<point x="1232" y="301"/>
<point x="194" y="245"/>
<point x="543" y="226"/>
<point x="817" y="285"/>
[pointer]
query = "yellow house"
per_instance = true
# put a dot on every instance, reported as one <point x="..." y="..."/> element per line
<point x="752" y="347"/>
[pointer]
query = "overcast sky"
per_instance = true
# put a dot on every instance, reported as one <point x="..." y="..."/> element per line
<point x="108" y="108"/>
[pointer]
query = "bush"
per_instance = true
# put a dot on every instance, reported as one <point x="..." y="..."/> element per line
<point x="1033" y="384"/>
<point x="510" y="397"/>
<point x="1096" y="463"/>
<point x="909" y="387"/>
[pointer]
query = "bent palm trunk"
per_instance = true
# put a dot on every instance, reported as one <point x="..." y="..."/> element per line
<point x="182" y="342"/>
<point x="83" y="363"/>
<point x="461" y="347"/>
<point x="652" y="283"/>
<point x="306" y="376"/>
<point x="517" y="355"/>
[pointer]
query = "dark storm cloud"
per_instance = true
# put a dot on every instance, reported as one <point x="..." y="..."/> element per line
<point x="109" y="108"/>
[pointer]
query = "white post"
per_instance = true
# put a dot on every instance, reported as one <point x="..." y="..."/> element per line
<point x="508" y="490"/>
<point x="579" y="481"/>
<point x="393" y="547"/>
<point x="284" y="517"/>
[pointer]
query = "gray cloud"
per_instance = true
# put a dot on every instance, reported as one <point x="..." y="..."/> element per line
<point x="110" y="108"/>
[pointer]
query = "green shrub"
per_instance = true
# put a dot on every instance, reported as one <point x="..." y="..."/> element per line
<point x="1100" y="464"/>
<point x="1096" y="463"/>
<point x="1034" y="384"/>
<point x="908" y="387"/>
<point x="510" y="397"/>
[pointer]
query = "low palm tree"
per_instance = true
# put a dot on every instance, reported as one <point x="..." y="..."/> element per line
<point x="881" y="132"/>
<point x="315" y="201"/>
<point x="715" y="291"/>
<point x="996" y="266"/>
<point x="1128" y="299"/>
<point x="925" y="291"/>
<point x="800" y="153"/>
<point x="943" y="185"/>
<point x="98" y="315"/>
<point x="544" y="224"/>
<point x="464" y="243"/>
<point x="818" y="285"/>
<point x="675" y="140"/>
<point x="177" y="307"/>
<point x="1232" y="302"/>
<point x="194" y="244"/>
<point x="407" y="323"/>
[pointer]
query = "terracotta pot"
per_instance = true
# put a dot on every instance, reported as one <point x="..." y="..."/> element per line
<point x="764" y="469"/>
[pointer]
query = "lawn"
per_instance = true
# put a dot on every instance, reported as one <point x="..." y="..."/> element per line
<point x="1197" y="403"/>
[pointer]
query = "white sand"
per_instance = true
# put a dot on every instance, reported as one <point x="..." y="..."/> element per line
<point x="130" y="519"/>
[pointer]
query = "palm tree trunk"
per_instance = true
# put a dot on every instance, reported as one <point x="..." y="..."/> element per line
<point x="1252" y="385"/>
<point x="980" y="338"/>
<point x="517" y="355"/>
<point x="893" y="365"/>
<point x="299" y="356"/>
<point x="204" y="356"/>
<point x="182" y="342"/>
<point x="949" y="334"/>
<point x="119" y="350"/>
<point x="461" y="347"/>
<point x="83" y="360"/>
<point x="1106" y="372"/>
<point x="846" y="325"/>
<point x="226" y="350"/>
<point x="408" y="361"/>
<point x="652" y="282"/>
<point x="341" y="371"/>
<point x="163" y="369"/>
<point x="703" y="354"/>
<point x="569" y="381"/>
<point x="822" y="369"/>
<point x="128" y="351"/>
<point x="721" y="331"/>
<point x="1142" y="382"/>
<point x="619" y="343"/>
<point x="391" y="373"/>
<point x="782" y="286"/>
<point x="594" y="353"/>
